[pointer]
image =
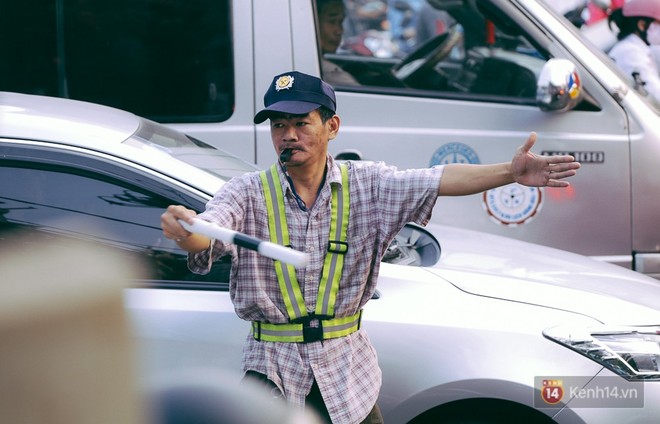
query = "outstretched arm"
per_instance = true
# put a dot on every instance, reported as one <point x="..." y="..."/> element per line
<point x="525" y="168"/>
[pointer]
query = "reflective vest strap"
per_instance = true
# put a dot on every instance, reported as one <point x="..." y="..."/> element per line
<point x="279" y="233"/>
<point x="339" y="327"/>
<point x="272" y="189"/>
<point x="334" y="257"/>
<point x="291" y="333"/>
<point x="295" y="333"/>
<point x="337" y="247"/>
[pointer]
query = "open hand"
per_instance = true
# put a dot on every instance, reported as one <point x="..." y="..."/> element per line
<point x="534" y="170"/>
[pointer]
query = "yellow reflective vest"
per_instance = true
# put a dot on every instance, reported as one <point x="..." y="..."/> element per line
<point x="319" y="325"/>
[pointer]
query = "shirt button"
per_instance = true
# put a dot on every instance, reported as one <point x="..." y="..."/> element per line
<point x="314" y="366"/>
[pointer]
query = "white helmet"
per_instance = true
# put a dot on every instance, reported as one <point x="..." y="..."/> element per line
<point x="642" y="9"/>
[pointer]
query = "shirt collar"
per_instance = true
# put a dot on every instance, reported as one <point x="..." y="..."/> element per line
<point x="332" y="176"/>
<point x="334" y="173"/>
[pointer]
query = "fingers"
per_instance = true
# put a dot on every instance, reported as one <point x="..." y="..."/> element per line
<point x="560" y="175"/>
<point x="567" y="159"/>
<point x="529" y="143"/>
<point x="169" y="222"/>
<point x="559" y="172"/>
<point x="556" y="183"/>
<point x="550" y="160"/>
<point x="555" y="167"/>
<point x="181" y="212"/>
<point x="559" y="168"/>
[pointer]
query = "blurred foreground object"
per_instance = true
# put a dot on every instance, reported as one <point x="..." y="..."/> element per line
<point x="206" y="396"/>
<point x="65" y="348"/>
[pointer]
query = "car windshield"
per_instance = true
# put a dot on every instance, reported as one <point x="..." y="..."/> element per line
<point x="190" y="150"/>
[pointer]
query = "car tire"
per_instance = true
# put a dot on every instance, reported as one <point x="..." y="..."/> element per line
<point x="482" y="411"/>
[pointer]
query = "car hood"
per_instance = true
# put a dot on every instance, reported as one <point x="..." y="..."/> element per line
<point x="499" y="267"/>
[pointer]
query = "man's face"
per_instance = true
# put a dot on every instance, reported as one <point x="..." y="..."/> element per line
<point x="331" y="18"/>
<point x="307" y="137"/>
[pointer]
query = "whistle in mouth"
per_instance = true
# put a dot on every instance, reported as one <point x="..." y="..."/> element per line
<point x="285" y="155"/>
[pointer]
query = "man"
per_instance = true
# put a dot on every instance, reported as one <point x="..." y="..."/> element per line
<point x="348" y="213"/>
<point x="331" y="15"/>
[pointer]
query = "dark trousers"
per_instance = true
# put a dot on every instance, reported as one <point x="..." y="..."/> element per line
<point x="314" y="400"/>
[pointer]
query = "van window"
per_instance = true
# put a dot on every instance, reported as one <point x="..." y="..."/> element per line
<point x="168" y="60"/>
<point x="432" y="48"/>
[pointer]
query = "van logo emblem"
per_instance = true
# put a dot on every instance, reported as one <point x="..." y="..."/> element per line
<point x="284" y="82"/>
<point x="513" y="204"/>
<point x="454" y="153"/>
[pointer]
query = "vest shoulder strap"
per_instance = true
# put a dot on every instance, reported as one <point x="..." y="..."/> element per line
<point x="337" y="245"/>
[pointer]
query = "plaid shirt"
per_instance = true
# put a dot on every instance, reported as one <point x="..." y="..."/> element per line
<point x="382" y="200"/>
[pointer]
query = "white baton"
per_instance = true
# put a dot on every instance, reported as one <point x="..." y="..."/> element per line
<point x="265" y="248"/>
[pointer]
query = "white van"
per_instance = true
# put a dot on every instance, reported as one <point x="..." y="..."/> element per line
<point x="465" y="93"/>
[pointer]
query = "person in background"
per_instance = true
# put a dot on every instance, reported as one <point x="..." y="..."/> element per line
<point x="402" y="16"/>
<point x="306" y="342"/>
<point x="331" y="15"/>
<point x="638" y="22"/>
<point x="431" y="22"/>
<point x="598" y="10"/>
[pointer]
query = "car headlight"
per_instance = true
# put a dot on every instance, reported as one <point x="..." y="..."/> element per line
<point x="631" y="352"/>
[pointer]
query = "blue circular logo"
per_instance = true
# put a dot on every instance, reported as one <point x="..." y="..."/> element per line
<point x="454" y="153"/>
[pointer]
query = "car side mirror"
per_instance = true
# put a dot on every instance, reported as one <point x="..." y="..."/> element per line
<point x="413" y="246"/>
<point x="559" y="86"/>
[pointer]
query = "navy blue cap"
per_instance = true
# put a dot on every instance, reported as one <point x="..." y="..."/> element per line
<point x="296" y="93"/>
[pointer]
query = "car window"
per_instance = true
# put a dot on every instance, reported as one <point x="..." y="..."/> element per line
<point x="438" y="48"/>
<point x="168" y="60"/>
<point x="52" y="201"/>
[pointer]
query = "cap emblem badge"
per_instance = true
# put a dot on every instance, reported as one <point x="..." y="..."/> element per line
<point x="284" y="82"/>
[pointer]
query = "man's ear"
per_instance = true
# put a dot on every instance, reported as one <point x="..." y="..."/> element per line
<point x="333" y="126"/>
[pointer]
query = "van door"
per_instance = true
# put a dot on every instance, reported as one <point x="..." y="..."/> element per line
<point x="467" y="94"/>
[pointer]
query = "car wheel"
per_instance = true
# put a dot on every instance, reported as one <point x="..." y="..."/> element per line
<point x="483" y="411"/>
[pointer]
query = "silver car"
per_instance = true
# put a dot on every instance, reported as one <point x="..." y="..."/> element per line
<point x="468" y="327"/>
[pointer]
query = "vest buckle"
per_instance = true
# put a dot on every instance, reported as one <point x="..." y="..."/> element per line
<point x="312" y="334"/>
<point x="337" y="246"/>
<point x="312" y="327"/>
